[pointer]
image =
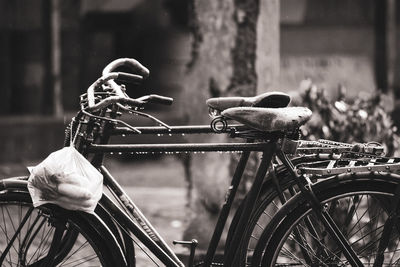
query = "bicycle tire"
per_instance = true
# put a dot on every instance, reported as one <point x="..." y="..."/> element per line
<point x="359" y="205"/>
<point x="268" y="204"/>
<point x="123" y="238"/>
<point x="31" y="234"/>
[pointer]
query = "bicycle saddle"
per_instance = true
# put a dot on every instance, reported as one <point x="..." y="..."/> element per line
<point x="266" y="100"/>
<point x="269" y="119"/>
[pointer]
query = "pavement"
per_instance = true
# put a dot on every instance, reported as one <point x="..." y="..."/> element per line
<point x="165" y="209"/>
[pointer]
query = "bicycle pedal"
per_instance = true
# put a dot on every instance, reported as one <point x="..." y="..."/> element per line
<point x="193" y="244"/>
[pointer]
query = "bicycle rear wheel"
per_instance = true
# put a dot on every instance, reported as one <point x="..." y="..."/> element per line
<point x="50" y="236"/>
<point x="359" y="205"/>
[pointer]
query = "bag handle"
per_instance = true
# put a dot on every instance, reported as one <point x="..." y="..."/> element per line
<point x="73" y="137"/>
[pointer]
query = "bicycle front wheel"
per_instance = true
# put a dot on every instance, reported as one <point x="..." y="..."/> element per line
<point x="48" y="236"/>
<point x="359" y="206"/>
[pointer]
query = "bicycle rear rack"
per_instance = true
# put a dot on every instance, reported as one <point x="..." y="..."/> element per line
<point x="303" y="147"/>
<point x="350" y="165"/>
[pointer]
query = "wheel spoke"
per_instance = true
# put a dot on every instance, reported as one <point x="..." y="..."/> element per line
<point x="16" y="234"/>
<point x="364" y="231"/>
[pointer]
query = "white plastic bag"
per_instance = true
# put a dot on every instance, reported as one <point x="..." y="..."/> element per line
<point x="67" y="179"/>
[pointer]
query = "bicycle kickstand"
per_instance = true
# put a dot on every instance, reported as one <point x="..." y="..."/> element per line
<point x="193" y="244"/>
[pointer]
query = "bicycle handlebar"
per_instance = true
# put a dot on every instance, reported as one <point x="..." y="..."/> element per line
<point x="101" y="81"/>
<point x="129" y="78"/>
<point x="157" y="99"/>
<point x="120" y="94"/>
<point x="136" y="67"/>
<point x="121" y="97"/>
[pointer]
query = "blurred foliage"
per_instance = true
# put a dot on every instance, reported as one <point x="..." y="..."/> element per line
<point x="363" y="119"/>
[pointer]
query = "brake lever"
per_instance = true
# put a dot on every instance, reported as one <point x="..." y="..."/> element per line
<point x="157" y="99"/>
<point x="112" y="120"/>
<point x="145" y="115"/>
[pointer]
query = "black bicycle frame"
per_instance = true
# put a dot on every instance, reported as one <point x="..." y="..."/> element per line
<point x="156" y="246"/>
<point x="148" y="235"/>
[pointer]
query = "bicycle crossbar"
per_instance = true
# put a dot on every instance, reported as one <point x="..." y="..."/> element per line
<point x="161" y="148"/>
<point x="193" y="129"/>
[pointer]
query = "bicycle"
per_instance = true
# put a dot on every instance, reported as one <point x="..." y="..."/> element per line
<point x="360" y="202"/>
<point x="109" y="232"/>
<point x="280" y="185"/>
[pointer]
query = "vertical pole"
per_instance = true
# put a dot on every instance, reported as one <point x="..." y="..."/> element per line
<point x="47" y="92"/>
<point x="55" y="26"/>
<point x="268" y="43"/>
<point x="391" y="44"/>
<point x="6" y="71"/>
<point x="380" y="44"/>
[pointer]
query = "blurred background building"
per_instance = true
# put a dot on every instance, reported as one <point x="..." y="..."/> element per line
<point x="52" y="50"/>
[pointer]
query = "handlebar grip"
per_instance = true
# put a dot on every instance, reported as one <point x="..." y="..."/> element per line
<point x="157" y="99"/>
<point x="131" y="63"/>
<point x="129" y="78"/>
<point x="163" y="100"/>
